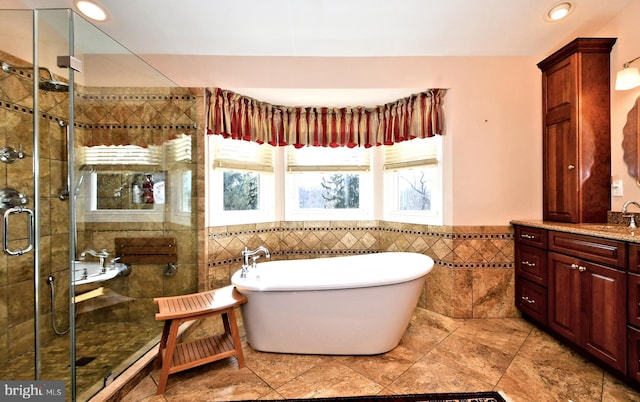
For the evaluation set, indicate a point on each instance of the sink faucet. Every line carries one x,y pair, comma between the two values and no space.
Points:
632,221
246,253
101,255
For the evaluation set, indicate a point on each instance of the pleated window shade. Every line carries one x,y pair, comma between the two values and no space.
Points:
320,159
406,154
241,155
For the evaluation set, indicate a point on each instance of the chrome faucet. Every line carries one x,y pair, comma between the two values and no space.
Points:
246,253
632,221
101,255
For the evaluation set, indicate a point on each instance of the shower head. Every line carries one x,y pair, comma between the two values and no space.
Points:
46,83
51,84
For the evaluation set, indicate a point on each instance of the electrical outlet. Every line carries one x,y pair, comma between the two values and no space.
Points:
616,188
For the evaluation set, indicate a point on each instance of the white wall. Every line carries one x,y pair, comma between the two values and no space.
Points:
492,145
626,28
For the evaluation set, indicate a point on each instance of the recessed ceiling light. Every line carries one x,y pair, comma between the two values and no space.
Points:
559,11
91,10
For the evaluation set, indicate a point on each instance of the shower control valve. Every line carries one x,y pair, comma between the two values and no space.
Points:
10,155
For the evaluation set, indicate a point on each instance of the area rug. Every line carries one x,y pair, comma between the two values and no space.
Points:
490,396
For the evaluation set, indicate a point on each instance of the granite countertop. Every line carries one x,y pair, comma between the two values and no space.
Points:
612,231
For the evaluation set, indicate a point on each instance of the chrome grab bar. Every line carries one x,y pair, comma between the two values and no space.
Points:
5,229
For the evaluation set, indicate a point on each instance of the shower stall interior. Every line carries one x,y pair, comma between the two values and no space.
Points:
97,152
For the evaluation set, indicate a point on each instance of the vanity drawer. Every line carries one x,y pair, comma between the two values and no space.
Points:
532,236
531,299
605,251
531,263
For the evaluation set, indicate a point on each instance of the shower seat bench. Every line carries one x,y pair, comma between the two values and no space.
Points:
173,356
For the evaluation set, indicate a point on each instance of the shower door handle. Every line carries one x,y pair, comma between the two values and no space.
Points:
5,230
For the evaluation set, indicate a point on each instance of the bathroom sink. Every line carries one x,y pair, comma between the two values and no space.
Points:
89,272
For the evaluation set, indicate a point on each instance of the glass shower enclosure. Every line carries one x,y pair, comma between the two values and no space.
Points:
98,157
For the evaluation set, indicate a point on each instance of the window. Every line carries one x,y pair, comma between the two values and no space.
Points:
413,181
328,183
241,188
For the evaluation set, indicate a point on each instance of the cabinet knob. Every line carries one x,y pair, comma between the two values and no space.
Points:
578,267
529,264
571,167
530,301
527,236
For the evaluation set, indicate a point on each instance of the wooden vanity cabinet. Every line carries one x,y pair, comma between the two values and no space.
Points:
633,313
587,294
531,272
582,283
576,132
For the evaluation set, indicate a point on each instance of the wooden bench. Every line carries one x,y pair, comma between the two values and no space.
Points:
174,357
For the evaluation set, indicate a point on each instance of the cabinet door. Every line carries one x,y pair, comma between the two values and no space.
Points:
633,354
560,143
633,306
564,296
604,303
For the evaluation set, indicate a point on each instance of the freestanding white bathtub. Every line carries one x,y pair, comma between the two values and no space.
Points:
349,305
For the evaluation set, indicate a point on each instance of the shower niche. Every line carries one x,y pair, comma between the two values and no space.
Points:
136,183
137,196
129,190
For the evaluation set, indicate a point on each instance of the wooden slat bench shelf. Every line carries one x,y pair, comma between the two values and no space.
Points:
174,357
147,250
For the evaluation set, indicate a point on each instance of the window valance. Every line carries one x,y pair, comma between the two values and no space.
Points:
239,117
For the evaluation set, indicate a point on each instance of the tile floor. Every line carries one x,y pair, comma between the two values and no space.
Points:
436,354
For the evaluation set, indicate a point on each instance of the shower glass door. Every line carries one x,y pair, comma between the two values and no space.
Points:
18,279
124,178
100,147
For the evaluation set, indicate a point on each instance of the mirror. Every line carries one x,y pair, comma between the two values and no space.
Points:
631,138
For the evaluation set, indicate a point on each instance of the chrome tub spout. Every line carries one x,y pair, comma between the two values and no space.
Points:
254,254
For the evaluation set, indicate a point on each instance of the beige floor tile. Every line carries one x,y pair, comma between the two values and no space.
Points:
144,391
505,334
477,360
436,354
221,380
429,376
613,390
327,380
553,374
384,368
277,369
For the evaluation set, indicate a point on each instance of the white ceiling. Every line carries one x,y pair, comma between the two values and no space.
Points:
172,34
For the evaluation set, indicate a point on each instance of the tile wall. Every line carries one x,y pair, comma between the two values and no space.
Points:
473,276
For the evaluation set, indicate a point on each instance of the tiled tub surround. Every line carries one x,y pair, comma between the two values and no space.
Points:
472,277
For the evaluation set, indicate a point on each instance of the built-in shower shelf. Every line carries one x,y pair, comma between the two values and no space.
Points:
89,295
147,250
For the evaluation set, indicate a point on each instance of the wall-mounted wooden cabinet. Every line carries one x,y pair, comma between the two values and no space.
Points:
577,132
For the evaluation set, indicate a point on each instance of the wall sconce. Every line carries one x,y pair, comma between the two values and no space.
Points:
628,77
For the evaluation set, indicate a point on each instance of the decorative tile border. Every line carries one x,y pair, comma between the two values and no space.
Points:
14,107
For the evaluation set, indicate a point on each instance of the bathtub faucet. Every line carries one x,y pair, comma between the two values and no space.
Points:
246,253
